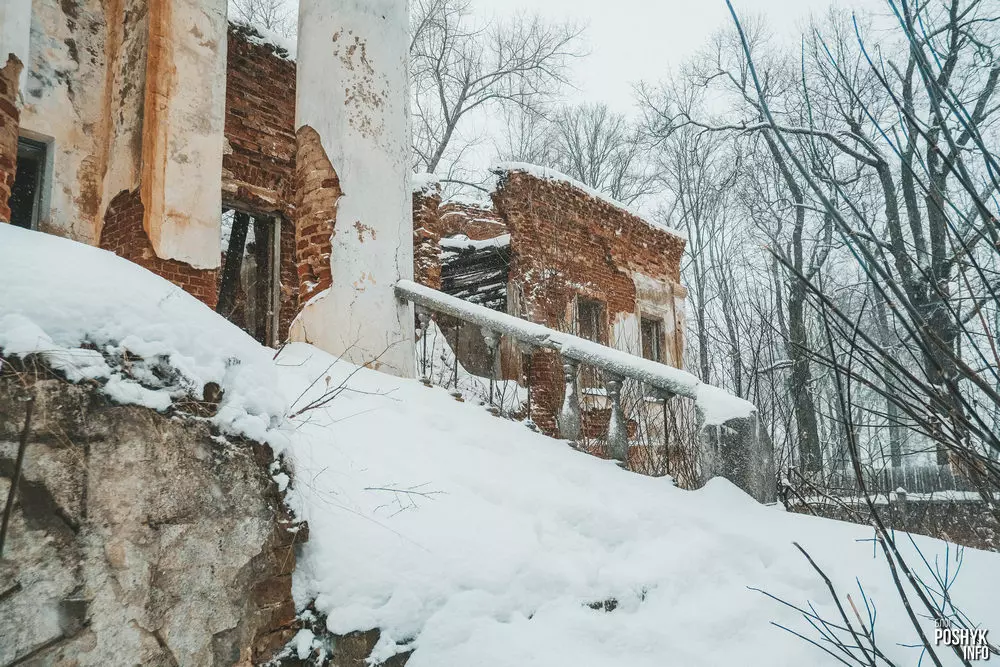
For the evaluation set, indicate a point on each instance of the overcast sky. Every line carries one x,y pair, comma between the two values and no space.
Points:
632,40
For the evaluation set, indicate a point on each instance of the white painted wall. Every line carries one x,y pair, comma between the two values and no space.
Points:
15,33
64,107
352,89
182,153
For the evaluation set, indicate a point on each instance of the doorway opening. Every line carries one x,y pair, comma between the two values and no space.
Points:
249,283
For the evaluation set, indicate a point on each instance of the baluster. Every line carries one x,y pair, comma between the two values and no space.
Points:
569,416
617,440
666,436
424,320
456,392
492,342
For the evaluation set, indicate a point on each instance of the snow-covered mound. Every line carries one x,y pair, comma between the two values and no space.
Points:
471,538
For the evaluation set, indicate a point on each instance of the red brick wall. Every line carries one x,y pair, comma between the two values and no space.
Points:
474,221
426,239
9,126
124,235
258,168
566,243
317,190
259,165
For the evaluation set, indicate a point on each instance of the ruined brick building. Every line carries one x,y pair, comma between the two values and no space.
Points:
217,186
551,251
104,137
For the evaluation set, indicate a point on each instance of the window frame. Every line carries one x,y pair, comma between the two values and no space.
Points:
599,314
42,151
659,331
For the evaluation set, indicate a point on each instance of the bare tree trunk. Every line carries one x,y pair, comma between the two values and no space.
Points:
800,381
891,409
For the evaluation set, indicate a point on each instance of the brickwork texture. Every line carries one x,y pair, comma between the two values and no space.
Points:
124,235
9,127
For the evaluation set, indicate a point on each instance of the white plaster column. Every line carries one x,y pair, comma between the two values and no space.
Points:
184,128
352,90
15,33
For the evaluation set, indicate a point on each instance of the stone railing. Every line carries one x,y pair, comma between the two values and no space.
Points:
727,426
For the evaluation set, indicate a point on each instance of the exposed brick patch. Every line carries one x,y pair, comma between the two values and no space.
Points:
317,188
124,235
258,169
10,118
426,239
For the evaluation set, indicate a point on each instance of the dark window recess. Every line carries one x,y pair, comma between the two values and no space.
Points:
590,325
248,284
652,339
590,321
26,193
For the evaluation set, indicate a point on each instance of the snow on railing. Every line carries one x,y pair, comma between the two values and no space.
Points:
727,424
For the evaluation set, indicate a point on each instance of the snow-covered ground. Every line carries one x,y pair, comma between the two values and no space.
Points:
472,538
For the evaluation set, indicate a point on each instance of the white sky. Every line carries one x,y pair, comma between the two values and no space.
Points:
641,40
633,40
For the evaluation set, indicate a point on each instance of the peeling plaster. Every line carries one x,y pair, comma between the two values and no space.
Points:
352,89
185,103
15,33
63,105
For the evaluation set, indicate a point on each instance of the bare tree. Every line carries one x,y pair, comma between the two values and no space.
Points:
459,66
589,142
778,206
274,15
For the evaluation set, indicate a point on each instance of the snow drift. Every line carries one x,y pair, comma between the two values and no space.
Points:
470,538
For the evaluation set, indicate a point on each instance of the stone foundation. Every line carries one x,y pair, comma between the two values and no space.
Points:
137,538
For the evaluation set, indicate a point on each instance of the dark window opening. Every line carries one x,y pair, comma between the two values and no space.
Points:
590,321
590,325
25,196
249,288
652,339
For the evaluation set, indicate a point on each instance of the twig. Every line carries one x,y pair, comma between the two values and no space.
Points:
15,480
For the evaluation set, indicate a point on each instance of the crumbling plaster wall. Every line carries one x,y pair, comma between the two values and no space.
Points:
115,117
9,122
137,538
185,108
64,104
15,29
352,98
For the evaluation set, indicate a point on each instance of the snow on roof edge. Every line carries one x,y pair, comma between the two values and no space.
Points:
462,242
285,48
548,174
425,183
